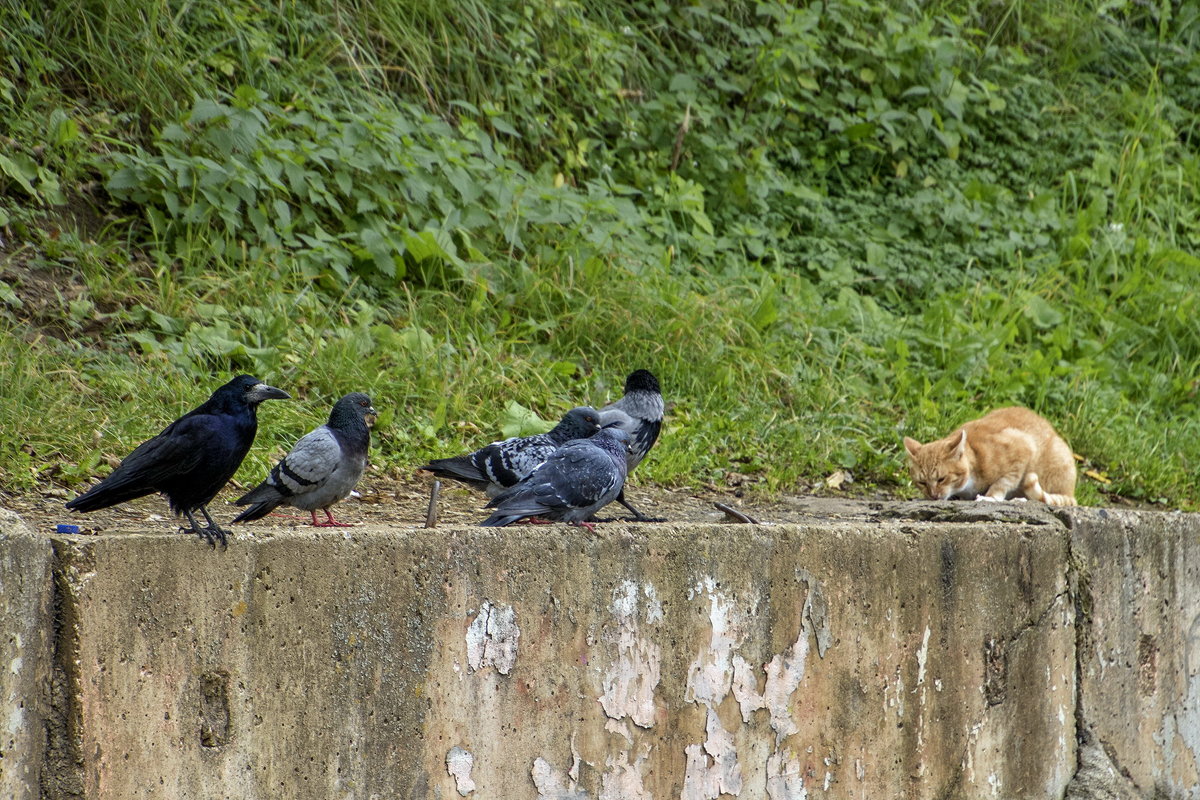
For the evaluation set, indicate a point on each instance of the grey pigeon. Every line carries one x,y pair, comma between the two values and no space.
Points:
640,413
502,464
576,481
192,459
321,469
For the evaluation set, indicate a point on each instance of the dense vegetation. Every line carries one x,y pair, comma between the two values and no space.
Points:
823,226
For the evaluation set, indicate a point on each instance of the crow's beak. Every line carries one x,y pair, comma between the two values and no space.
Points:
261,391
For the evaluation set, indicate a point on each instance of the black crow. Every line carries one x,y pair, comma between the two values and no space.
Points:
640,413
321,469
192,459
501,464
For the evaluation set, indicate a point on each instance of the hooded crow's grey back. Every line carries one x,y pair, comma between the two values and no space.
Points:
640,413
322,469
192,459
502,464
576,481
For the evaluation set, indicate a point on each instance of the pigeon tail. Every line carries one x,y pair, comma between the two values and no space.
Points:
256,511
459,468
262,499
502,518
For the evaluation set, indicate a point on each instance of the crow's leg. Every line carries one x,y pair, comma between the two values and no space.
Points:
213,532
196,529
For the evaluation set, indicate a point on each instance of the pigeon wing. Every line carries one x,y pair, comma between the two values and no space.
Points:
585,475
511,460
309,463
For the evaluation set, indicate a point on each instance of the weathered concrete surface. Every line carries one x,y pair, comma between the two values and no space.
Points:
892,659
1139,593
786,662
26,631
963,655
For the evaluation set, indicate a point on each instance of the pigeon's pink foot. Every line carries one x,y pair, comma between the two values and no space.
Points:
591,528
330,523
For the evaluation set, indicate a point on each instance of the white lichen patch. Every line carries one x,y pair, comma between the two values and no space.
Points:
459,763
492,638
631,680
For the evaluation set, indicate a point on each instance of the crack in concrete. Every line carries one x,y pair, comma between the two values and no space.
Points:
1096,763
62,774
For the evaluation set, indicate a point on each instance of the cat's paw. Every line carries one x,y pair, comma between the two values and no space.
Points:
983,498
1019,500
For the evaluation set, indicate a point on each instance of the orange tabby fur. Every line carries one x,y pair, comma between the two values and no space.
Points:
1009,453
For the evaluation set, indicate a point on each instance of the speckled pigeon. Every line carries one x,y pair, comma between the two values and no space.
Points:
576,481
321,469
502,464
640,413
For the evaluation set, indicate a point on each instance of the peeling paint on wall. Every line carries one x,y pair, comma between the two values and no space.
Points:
623,780
492,638
784,673
711,674
1186,719
785,777
459,763
712,768
553,784
923,657
816,610
630,682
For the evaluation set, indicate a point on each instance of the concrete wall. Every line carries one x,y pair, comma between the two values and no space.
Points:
1139,588
26,634
888,658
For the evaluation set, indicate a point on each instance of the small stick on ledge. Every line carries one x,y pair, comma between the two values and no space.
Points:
431,517
736,515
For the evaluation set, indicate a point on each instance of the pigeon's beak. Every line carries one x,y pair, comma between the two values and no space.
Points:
261,391
370,416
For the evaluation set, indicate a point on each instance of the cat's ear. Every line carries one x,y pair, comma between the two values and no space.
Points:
959,448
912,446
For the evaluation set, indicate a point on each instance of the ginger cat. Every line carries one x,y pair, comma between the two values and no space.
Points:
1009,453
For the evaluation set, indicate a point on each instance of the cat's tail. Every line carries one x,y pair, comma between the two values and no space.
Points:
1031,487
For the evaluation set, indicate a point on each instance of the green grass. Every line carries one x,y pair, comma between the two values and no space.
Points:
878,220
